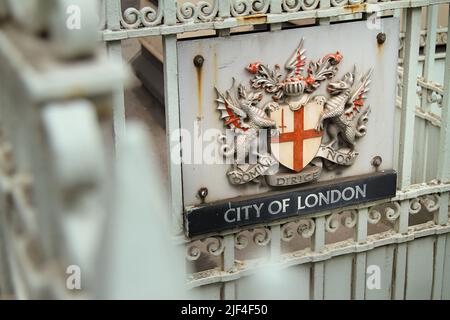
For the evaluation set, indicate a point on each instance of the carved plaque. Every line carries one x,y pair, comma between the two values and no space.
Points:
278,124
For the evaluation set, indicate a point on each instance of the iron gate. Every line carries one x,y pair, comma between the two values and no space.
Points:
330,254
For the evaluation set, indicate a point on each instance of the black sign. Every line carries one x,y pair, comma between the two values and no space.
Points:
242,211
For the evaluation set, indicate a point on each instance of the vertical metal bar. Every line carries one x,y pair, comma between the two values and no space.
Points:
401,226
318,244
275,243
443,173
359,276
275,7
359,264
430,46
318,241
438,268
402,223
412,39
114,49
444,146
228,255
398,292
172,126
423,126
229,287
113,14
361,225
441,215
402,30
170,12
224,8
224,13
324,4
171,97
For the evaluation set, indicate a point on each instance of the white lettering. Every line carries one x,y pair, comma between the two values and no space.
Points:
360,191
258,209
227,219
300,205
279,207
246,211
352,194
322,197
285,204
310,196
333,198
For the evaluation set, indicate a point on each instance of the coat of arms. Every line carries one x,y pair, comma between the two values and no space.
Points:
307,132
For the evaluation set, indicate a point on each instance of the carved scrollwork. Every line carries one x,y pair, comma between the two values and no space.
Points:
133,18
414,206
288,231
430,202
241,240
262,236
433,96
339,3
392,211
296,5
332,222
291,5
201,11
247,7
442,37
214,245
309,4
351,219
306,228
374,215
193,252
423,39
347,218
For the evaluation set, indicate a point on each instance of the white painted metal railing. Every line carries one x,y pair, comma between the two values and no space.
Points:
424,107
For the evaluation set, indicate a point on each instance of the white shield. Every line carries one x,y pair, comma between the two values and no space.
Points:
298,141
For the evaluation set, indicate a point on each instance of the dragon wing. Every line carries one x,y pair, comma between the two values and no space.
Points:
296,62
229,109
356,100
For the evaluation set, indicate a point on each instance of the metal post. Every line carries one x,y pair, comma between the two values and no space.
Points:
275,7
444,146
412,39
172,117
359,264
423,125
229,287
114,49
318,244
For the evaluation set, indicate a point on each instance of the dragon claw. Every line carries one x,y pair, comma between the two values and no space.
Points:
319,126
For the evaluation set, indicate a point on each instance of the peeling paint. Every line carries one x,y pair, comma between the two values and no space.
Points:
252,19
358,7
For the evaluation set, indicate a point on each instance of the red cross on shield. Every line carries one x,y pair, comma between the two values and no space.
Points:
298,141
